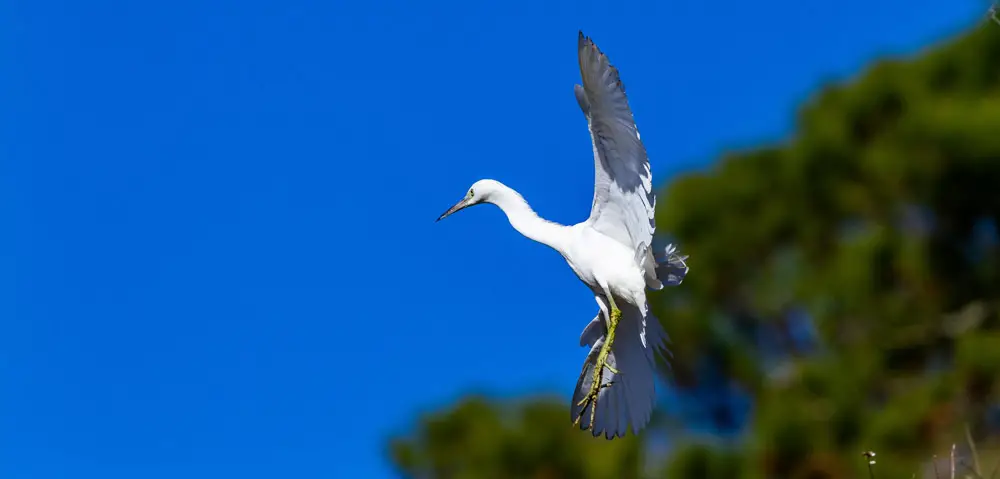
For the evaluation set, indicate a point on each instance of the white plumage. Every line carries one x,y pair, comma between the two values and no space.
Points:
611,252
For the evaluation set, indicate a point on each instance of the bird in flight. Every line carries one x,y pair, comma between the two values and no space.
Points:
611,252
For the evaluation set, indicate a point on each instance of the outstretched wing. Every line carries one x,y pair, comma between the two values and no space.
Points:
623,193
632,395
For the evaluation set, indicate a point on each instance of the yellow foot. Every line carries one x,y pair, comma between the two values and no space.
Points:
599,367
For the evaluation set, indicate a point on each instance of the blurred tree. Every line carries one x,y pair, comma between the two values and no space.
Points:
846,281
479,439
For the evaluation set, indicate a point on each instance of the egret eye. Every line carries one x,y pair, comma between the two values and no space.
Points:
471,194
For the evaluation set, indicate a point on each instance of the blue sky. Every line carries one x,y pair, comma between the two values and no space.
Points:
222,259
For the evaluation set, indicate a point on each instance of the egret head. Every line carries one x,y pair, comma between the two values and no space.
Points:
480,192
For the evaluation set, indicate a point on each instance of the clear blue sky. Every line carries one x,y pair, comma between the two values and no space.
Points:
221,258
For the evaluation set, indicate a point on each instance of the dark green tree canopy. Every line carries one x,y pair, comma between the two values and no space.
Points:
846,281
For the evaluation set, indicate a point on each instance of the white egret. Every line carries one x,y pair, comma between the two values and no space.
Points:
611,252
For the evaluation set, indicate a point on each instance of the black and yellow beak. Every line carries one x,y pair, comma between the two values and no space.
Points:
458,206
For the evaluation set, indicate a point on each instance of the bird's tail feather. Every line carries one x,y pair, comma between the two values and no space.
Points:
630,398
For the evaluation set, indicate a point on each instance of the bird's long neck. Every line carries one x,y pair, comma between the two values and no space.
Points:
527,222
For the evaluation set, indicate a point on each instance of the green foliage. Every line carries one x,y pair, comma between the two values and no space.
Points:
479,439
875,226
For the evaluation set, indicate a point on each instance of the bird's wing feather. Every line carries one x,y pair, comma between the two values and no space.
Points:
630,400
594,331
668,268
623,194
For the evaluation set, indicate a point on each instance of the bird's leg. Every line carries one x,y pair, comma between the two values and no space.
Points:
601,364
